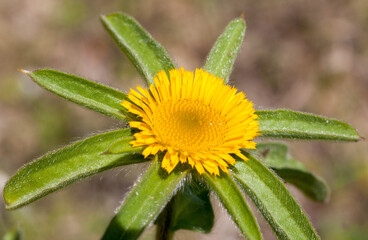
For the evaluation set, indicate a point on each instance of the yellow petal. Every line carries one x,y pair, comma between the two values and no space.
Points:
195,118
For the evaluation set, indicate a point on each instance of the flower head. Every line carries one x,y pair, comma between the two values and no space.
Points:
195,118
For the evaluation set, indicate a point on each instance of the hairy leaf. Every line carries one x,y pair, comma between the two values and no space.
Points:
189,209
223,54
235,204
275,156
273,200
147,55
285,123
122,145
86,93
144,202
65,166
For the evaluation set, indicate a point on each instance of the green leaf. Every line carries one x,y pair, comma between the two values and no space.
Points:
147,55
193,209
12,235
222,56
190,209
88,94
311,185
123,145
65,166
290,124
233,201
275,155
144,202
273,200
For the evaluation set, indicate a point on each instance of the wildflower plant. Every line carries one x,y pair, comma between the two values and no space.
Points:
197,132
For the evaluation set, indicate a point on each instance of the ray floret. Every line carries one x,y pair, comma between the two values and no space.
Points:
193,118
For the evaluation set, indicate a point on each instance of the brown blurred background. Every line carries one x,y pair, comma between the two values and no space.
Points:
305,55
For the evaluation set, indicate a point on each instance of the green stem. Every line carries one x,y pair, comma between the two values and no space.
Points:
163,230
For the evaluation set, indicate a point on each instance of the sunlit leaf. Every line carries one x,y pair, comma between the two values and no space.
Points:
285,123
122,145
233,201
223,54
275,156
273,200
86,93
65,166
144,203
147,55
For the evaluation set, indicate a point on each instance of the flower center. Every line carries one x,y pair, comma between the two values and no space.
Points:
189,125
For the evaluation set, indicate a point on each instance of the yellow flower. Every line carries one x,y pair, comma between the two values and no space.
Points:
195,118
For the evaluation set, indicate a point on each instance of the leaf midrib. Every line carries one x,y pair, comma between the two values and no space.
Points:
274,191
145,203
95,103
223,56
136,215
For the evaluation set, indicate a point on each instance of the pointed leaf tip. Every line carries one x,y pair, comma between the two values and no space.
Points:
94,96
284,123
24,71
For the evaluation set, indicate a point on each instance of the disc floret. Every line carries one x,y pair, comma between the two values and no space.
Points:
194,118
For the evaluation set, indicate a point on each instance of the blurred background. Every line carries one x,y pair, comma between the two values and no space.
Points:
304,55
